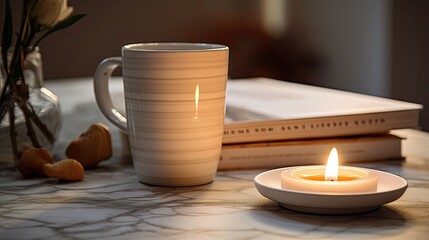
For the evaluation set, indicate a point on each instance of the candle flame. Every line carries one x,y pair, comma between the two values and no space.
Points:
197,99
331,172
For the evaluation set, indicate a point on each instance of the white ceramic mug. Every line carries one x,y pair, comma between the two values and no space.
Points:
175,106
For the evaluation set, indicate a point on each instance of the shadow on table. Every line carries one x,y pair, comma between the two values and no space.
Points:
384,220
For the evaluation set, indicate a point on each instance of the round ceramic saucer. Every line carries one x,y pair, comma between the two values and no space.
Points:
390,188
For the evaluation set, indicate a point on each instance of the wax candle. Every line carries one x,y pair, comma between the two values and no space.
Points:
331,178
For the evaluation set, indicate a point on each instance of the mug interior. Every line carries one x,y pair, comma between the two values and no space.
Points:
174,47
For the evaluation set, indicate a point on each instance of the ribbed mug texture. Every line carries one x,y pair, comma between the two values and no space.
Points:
175,104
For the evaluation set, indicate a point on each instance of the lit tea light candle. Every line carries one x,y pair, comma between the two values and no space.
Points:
331,178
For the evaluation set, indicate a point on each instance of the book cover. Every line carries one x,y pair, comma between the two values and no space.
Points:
262,109
312,151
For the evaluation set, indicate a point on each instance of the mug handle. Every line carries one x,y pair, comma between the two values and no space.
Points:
101,90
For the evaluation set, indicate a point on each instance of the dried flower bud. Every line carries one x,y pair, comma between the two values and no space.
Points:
49,13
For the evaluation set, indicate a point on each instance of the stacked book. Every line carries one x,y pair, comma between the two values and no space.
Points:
271,123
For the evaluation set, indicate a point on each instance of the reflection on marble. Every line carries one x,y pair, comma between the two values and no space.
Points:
110,203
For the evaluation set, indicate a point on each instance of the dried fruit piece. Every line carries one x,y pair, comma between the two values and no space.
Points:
67,169
92,146
37,162
32,161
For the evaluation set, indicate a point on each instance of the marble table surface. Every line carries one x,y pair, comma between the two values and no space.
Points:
110,203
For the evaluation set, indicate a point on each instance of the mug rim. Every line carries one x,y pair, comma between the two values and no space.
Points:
174,47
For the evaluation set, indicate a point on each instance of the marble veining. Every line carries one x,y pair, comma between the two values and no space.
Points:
110,203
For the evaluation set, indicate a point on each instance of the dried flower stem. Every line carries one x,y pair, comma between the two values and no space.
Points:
36,120
30,131
12,133
15,92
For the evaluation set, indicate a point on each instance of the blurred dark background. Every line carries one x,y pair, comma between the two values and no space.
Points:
373,47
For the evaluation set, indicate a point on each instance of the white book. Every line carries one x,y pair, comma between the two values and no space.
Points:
262,109
312,151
